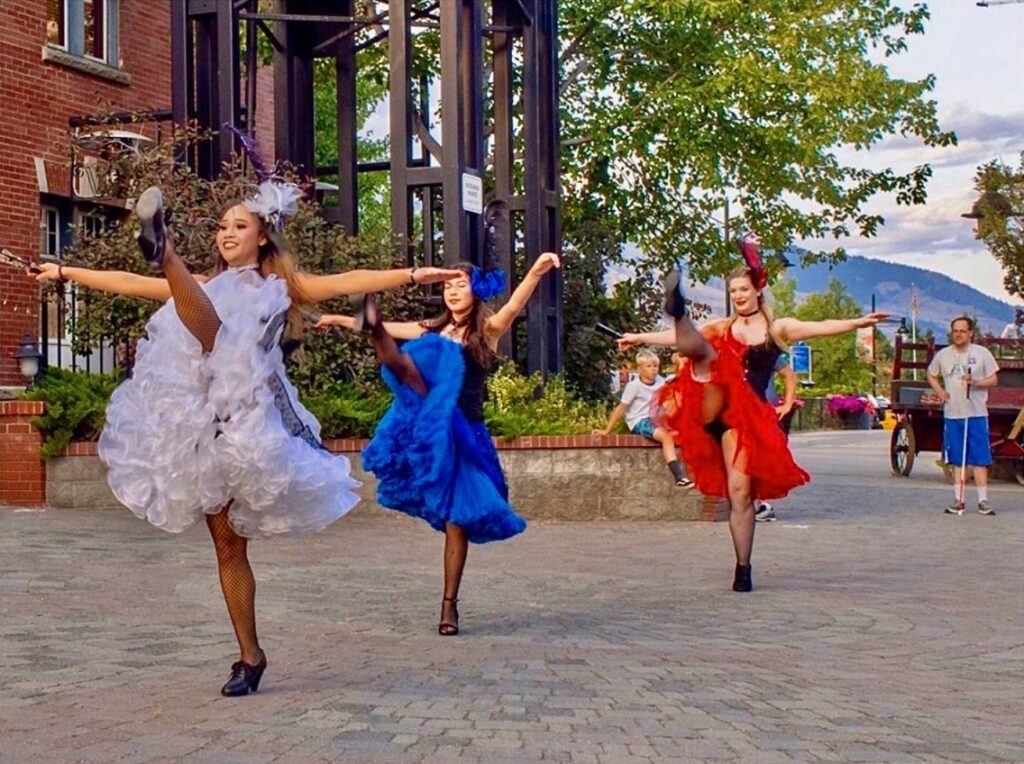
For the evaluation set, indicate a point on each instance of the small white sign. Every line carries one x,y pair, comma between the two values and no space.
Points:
472,193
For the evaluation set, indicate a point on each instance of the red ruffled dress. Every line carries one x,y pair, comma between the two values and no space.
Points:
678,406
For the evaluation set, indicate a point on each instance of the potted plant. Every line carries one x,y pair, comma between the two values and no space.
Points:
853,411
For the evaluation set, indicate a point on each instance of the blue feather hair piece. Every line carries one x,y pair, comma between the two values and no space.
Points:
486,285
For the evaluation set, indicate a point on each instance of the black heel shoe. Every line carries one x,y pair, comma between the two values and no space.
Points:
364,309
742,581
449,628
150,211
244,679
675,302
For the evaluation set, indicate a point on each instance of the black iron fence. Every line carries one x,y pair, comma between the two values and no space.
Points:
58,318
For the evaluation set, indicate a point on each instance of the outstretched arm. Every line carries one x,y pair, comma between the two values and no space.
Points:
500,322
792,330
666,338
319,288
400,330
115,282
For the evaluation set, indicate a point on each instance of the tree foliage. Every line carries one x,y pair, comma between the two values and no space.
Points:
1001,226
838,367
671,107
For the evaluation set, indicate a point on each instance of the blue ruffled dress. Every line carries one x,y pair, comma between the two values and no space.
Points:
432,455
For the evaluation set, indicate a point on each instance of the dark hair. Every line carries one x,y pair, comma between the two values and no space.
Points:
475,323
968,319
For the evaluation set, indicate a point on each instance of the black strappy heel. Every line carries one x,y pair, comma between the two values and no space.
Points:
449,628
150,211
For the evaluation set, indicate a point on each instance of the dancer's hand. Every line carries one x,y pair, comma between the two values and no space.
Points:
597,431
626,341
327,321
782,409
871,319
47,272
545,263
433,275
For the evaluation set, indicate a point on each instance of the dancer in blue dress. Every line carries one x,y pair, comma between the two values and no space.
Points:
431,453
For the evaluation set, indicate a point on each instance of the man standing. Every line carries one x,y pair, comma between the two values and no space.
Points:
967,371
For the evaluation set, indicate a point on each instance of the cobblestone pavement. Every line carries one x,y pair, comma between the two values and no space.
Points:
879,630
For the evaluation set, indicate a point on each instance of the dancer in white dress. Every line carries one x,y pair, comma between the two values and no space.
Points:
209,425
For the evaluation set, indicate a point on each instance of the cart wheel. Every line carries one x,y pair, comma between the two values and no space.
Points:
902,449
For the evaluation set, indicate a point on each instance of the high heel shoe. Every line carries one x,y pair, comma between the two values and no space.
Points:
364,309
742,581
449,628
150,211
245,678
675,301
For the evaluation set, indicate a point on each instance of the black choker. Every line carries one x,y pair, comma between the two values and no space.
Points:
748,315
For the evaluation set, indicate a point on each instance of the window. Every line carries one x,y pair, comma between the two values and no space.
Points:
49,226
95,31
56,23
82,29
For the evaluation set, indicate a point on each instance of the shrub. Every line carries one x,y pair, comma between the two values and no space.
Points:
349,410
76,404
519,405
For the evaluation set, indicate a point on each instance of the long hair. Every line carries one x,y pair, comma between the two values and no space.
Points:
763,307
275,257
475,323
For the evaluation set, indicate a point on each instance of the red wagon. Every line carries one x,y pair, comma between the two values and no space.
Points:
919,413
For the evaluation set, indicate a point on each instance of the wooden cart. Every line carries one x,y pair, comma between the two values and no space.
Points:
919,414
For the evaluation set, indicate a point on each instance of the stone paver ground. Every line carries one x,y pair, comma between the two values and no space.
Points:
879,630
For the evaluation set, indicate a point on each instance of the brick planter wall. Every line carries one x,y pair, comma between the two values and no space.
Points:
583,477
22,471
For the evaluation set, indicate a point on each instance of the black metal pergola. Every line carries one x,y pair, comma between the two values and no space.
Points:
498,142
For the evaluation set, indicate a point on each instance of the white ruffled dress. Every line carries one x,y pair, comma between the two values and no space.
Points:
191,431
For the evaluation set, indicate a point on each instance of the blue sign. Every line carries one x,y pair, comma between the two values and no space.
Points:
800,355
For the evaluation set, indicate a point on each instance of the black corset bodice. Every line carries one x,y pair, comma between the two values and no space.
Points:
474,387
759,362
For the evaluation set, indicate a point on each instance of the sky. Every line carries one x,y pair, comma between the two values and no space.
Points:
977,57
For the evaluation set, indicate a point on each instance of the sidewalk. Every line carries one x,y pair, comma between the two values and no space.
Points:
879,630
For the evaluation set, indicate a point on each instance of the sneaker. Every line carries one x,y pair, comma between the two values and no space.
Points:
764,513
984,508
684,483
956,508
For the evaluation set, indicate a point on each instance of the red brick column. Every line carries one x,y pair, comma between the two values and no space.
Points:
22,469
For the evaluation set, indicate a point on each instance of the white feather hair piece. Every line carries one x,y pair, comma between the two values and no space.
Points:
274,201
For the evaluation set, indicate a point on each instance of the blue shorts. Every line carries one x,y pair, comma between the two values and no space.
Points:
644,427
979,449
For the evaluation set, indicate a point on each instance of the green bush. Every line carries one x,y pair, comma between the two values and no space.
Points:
519,405
76,404
349,410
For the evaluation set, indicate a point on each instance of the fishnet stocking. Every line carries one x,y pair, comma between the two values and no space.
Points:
190,301
456,546
401,364
238,584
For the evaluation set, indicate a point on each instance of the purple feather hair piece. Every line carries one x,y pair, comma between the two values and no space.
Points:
251,150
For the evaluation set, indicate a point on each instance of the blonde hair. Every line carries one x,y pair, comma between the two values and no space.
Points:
276,257
744,272
647,356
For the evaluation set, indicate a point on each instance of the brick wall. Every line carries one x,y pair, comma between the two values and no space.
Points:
36,99
22,471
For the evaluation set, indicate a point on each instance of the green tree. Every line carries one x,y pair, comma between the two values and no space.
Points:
1000,227
838,367
672,107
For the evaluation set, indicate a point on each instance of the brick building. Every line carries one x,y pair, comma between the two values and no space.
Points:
59,59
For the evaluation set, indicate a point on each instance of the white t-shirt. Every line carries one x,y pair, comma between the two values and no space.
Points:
951,364
636,395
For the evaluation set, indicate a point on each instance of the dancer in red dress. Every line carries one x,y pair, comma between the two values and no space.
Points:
727,434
